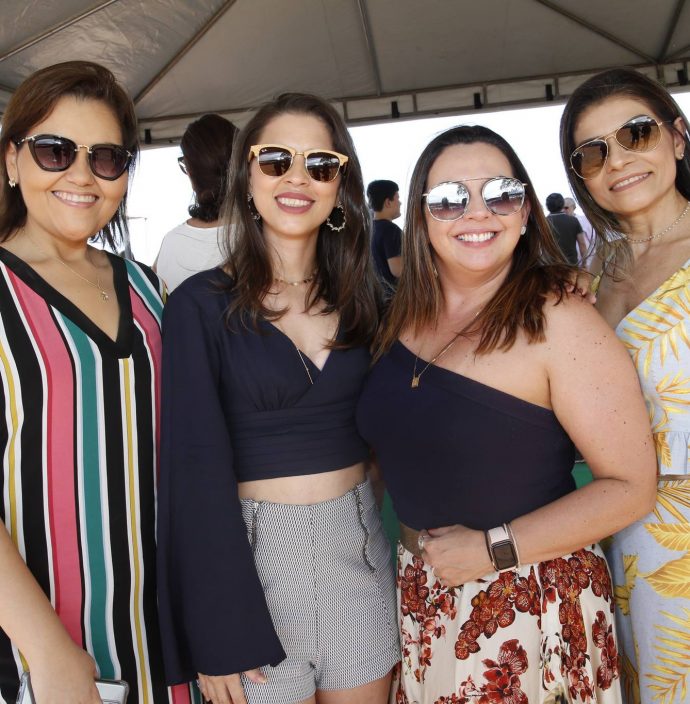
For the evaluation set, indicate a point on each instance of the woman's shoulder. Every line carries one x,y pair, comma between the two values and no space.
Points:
209,291
573,324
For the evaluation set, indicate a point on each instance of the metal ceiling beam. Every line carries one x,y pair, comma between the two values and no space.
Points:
678,52
55,29
185,49
346,103
673,22
597,30
366,30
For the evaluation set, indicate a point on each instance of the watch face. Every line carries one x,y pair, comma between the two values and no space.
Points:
504,554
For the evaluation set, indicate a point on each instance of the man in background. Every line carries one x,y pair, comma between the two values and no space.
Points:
386,239
587,229
567,230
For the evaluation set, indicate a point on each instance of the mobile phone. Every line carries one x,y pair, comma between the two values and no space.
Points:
111,691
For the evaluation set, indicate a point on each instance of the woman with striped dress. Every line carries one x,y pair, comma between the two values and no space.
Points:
79,375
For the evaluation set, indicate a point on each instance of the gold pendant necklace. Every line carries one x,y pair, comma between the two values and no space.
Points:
416,377
97,285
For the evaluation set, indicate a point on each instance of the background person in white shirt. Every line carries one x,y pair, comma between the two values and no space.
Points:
195,245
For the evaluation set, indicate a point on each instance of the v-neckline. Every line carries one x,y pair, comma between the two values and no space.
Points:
121,345
300,353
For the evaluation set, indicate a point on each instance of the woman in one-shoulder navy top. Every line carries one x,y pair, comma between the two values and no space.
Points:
486,369
263,362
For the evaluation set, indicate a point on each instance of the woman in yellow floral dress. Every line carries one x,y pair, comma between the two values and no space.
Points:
626,146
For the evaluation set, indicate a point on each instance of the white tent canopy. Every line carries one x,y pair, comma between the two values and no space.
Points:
375,59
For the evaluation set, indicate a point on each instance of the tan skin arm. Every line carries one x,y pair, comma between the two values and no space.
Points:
60,670
596,396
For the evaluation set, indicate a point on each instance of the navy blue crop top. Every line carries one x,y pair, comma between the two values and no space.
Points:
455,451
237,405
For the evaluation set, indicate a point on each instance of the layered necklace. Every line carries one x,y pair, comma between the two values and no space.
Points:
97,284
663,232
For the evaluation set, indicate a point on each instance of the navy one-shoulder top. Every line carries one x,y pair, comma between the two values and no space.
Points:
237,405
454,450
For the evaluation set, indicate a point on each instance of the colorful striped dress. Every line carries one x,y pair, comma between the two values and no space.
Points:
79,437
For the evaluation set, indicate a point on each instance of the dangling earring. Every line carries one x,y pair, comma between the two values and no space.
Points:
340,215
12,183
523,229
252,208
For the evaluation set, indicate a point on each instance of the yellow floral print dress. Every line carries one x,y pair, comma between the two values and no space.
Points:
650,560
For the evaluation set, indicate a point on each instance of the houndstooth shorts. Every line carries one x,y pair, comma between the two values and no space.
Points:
327,573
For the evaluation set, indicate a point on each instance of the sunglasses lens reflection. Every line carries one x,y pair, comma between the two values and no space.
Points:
639,135
503,196
323,166
108,161
54,153
447,201
274,161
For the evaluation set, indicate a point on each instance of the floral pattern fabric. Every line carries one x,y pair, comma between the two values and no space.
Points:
650,560
539,634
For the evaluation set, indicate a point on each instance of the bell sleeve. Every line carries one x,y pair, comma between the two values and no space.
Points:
213,613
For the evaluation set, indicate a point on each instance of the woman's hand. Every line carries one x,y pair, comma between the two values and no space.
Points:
457,554
66,674
579,285
227,689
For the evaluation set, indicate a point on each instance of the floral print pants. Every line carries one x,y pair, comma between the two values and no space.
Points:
540,634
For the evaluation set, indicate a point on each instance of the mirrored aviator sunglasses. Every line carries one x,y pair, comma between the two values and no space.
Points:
53,153
640,134
502,195
276,159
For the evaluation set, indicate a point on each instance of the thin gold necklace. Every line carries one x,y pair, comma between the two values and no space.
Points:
663,232
299,351
97,285
416,377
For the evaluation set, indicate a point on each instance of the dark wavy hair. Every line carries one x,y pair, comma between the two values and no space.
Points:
344,278
538,268
33,101
207,146
624,83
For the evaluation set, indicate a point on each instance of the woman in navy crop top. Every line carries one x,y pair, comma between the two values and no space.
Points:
272,556
486,368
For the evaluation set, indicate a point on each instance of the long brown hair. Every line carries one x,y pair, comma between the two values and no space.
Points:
207,146
344,278
627,83
538,268
34,100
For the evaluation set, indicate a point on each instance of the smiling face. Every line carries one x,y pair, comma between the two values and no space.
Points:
630,182
294,205
480,243
71,205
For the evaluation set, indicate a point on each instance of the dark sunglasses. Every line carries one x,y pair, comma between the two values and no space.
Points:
502,195
640,134
182,165
276,160
53,153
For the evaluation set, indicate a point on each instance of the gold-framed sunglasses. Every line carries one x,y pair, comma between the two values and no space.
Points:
641,133
276,159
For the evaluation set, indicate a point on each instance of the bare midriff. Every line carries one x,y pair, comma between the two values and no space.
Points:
305,488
